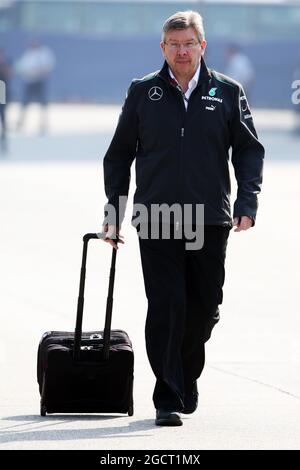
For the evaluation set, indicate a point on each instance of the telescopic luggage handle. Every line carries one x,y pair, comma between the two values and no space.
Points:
109,302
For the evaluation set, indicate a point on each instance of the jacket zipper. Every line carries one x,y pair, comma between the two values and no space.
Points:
177,222
180,163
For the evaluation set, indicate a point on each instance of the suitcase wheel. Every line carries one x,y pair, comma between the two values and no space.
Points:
43,410
130,410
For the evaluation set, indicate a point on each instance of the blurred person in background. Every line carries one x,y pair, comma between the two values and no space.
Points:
35,67
179,124
239,67
5,76
295,102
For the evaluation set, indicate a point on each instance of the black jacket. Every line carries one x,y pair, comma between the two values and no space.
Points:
182,155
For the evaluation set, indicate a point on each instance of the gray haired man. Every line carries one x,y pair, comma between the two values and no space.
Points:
179,124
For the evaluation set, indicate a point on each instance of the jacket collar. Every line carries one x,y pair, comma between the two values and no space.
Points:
205,73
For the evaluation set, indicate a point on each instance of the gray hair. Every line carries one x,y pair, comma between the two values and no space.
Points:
184,20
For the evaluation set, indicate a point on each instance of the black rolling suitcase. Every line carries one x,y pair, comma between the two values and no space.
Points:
86,372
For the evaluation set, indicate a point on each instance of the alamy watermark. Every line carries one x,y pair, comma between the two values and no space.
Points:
163,221
2,92
296,94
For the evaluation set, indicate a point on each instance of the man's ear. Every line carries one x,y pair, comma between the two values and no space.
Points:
162,46
203,46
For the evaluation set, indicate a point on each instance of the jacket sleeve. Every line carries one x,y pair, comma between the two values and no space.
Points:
247,157
118,160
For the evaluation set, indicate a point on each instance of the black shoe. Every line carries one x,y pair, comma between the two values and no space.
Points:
191,401
168,418
190,405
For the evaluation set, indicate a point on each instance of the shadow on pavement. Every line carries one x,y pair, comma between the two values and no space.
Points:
10,434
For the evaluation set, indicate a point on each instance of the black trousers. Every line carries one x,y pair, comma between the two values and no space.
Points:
184,290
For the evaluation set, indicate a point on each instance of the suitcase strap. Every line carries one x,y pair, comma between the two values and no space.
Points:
80,304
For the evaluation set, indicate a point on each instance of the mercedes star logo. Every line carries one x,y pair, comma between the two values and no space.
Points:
155,93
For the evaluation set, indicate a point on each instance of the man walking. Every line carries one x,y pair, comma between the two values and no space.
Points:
179,124
5,77
35,67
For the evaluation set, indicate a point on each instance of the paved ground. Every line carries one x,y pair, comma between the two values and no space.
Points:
50,194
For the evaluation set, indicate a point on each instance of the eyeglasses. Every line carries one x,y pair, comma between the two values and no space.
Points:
175,46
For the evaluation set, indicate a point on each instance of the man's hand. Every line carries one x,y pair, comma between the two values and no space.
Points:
242,223
110,232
